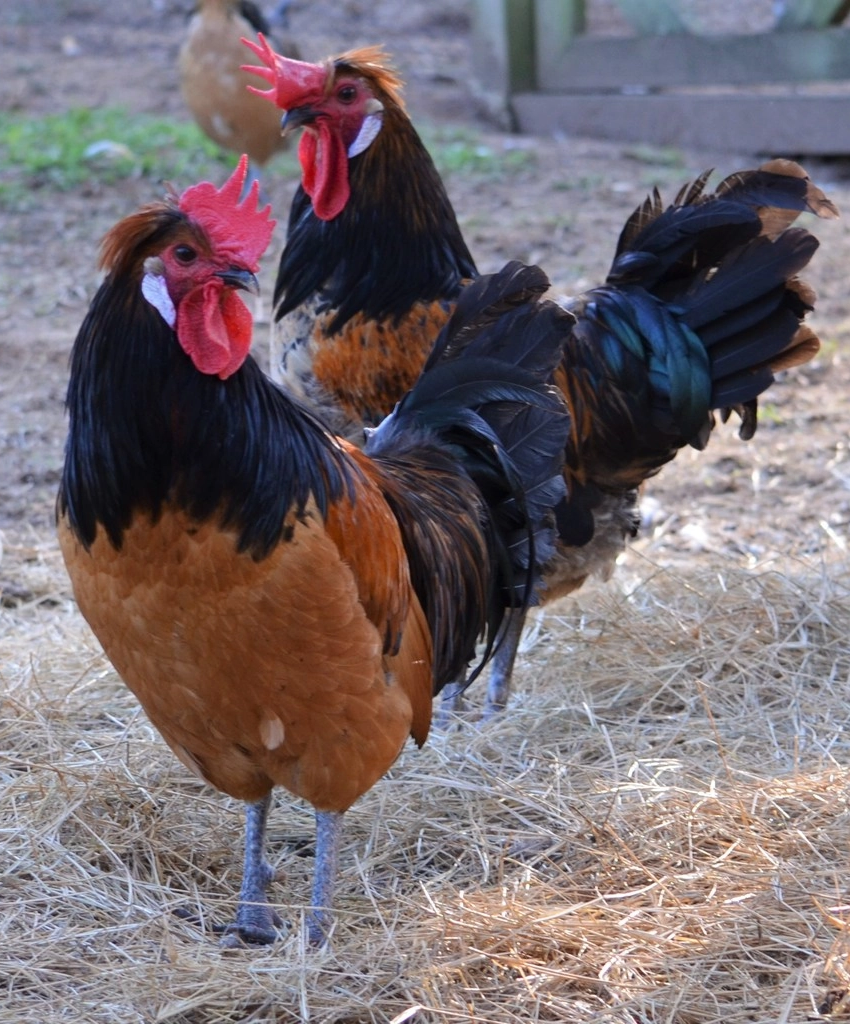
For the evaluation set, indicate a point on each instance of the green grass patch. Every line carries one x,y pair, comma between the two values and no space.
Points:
581,183
830,347
770,415
657,156
82,147
459,151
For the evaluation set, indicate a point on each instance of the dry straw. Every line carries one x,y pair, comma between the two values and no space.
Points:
656,831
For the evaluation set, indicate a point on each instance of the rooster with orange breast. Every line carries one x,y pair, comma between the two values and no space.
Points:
701,308
284,605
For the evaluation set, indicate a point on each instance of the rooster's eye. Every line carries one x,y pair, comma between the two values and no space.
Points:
347,94
185,253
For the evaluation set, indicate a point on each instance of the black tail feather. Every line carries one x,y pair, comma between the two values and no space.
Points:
777,185
746,350
744,318
483,414
746,274
702,307
693,233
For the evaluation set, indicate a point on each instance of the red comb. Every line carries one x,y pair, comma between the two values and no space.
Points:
238,228
291,81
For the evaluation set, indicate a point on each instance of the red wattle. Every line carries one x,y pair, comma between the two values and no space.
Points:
324,170
214,328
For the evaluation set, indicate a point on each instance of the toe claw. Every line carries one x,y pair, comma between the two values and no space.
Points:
256,924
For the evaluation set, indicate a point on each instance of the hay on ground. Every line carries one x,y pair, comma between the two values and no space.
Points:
655,831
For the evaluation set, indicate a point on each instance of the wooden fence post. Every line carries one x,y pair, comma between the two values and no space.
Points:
503,54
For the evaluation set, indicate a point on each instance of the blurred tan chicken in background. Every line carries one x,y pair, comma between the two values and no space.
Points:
214,86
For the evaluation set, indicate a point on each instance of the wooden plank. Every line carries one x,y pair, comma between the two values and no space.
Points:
556,26
503,45
658,17
810,13
788,125
652,62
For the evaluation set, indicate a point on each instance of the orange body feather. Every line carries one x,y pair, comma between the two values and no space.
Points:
354,376
305,699
215,88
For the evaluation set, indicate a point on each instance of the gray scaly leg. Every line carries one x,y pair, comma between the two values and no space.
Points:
320,918
502,665
256,922
498,688
451,703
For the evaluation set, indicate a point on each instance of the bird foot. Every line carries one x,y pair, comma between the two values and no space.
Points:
255,925
454,711
318,928
498,694
493,708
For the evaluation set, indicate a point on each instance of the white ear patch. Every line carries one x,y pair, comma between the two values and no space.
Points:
156,292
366,136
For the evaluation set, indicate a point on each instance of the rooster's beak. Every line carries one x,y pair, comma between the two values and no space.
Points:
297,117
237,277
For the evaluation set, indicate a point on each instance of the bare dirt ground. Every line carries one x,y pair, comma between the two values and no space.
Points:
562,210
719,522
